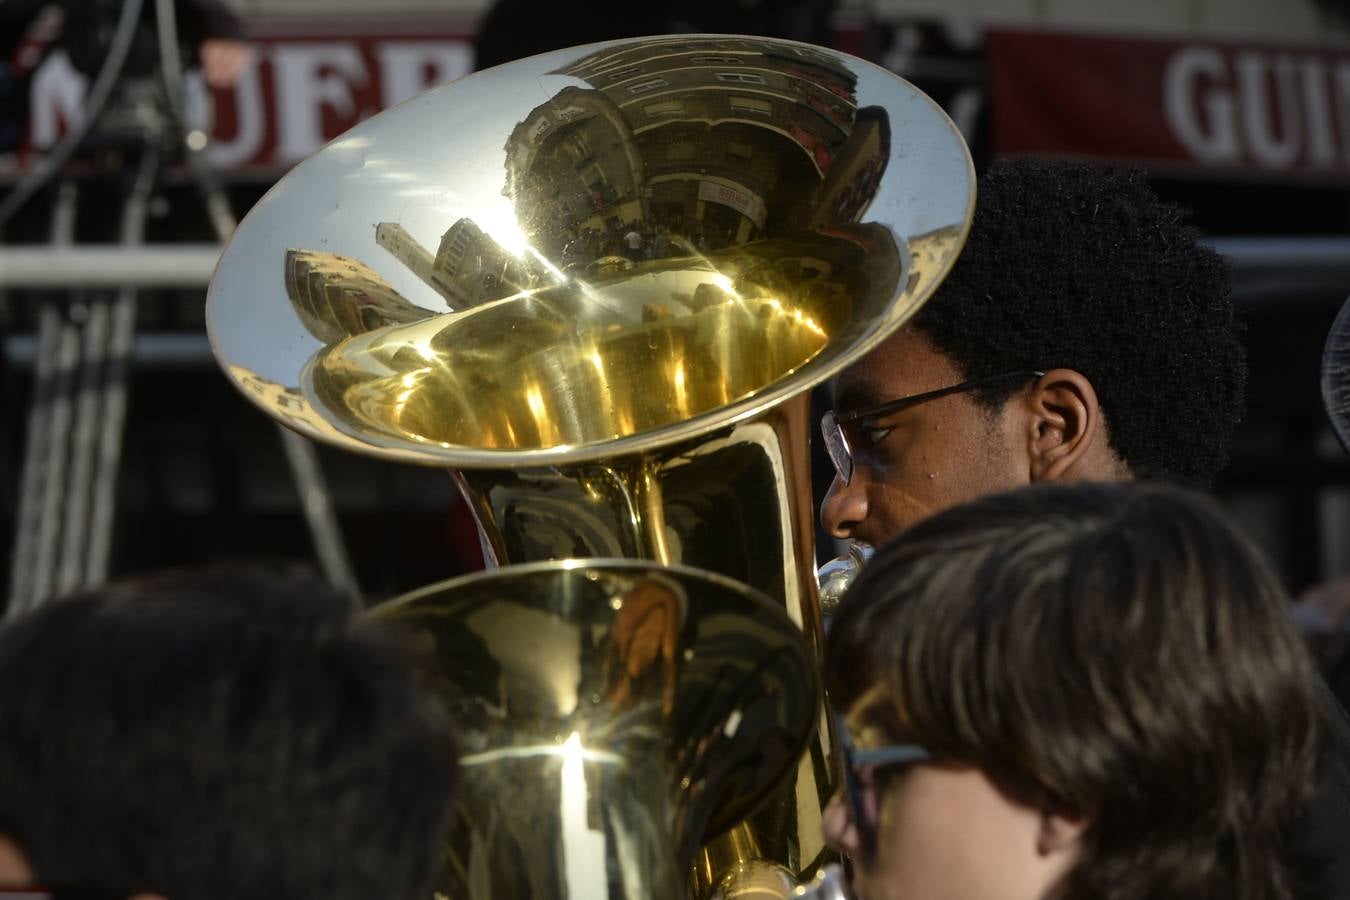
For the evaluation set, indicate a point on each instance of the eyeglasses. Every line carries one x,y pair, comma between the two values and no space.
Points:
874,759
831,423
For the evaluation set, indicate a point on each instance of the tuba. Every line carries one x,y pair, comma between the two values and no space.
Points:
597,285
611,712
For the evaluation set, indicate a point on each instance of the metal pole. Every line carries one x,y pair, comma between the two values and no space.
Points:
54,464
33,473
121,342
75,516
317,505
36,457
1285,252
108,266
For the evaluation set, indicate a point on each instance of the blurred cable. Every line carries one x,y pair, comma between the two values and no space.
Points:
95,101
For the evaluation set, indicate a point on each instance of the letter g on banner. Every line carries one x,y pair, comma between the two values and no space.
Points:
1199,104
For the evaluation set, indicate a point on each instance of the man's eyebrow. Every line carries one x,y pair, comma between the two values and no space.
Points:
855,393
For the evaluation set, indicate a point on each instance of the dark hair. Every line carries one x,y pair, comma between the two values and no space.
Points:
1070,266
1118,649
220,736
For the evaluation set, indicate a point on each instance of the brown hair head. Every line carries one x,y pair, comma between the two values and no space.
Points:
1119,649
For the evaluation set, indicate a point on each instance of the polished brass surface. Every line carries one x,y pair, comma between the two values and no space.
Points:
737,502
792,206
587,363
608,711
838,575
598,285
754,881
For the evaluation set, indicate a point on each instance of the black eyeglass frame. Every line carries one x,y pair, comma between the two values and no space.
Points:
836,445
884,757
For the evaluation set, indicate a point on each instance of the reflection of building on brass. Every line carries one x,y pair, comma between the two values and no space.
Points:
854,172
684,146
480,268
284,403
337,296
469,267
928,255
572,165
405,248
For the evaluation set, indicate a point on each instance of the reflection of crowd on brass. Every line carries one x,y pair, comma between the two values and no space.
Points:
719,141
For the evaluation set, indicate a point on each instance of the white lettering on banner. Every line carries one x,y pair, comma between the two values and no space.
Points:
308,77
1213,139
250,120
407,68
293,97
1277,110
1272,145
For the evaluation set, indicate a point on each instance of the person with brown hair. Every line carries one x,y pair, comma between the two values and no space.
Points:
1069,692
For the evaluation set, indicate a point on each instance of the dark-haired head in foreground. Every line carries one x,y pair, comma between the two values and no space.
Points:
1116,703
217,737
1075,272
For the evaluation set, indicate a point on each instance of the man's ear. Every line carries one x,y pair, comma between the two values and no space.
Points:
1064,423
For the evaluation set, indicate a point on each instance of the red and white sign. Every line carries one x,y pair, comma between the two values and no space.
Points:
747,204
308,83
1272,110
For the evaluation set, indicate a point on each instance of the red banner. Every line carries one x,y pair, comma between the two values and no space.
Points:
1238,108
308,82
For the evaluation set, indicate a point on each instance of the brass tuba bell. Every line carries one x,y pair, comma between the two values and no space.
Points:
609,711
598,285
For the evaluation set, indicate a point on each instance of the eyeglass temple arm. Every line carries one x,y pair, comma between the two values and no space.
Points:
886,756
897,405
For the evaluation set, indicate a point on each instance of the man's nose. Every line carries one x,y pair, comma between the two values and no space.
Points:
844,508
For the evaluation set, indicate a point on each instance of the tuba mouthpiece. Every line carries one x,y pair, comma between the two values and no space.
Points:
838,574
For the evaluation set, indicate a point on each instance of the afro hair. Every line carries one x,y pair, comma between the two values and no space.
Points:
1078,267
